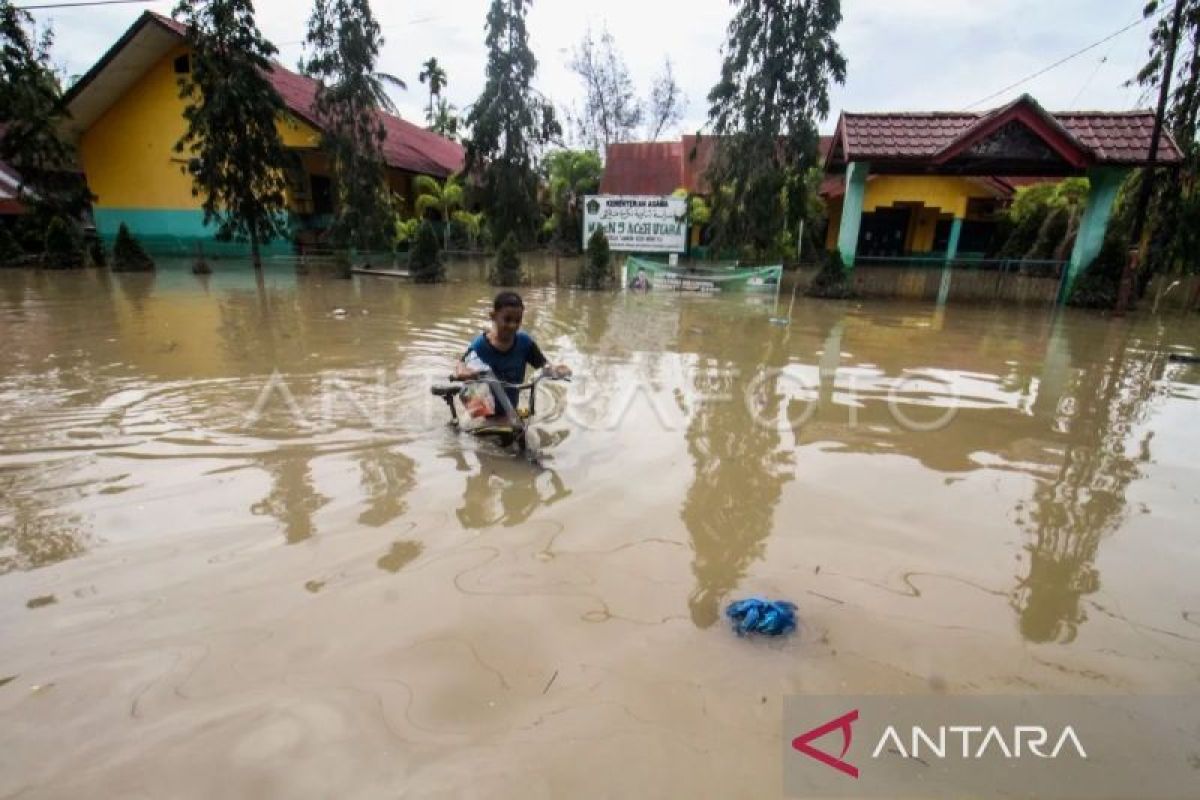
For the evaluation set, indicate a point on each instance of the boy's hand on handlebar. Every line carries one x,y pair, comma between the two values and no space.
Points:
558,371
464,373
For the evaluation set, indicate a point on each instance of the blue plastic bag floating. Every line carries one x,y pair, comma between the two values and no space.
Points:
759,615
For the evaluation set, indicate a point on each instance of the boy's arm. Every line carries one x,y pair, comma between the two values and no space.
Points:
461,371
537,359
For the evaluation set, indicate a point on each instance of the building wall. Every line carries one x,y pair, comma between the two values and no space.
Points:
937,196
131,165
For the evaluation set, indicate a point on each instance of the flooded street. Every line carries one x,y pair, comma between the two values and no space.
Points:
242,553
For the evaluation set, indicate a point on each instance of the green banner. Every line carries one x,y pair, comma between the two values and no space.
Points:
643,274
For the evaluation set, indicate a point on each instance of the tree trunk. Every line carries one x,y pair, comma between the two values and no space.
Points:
255,255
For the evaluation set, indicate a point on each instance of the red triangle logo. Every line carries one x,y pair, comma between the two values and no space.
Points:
803,743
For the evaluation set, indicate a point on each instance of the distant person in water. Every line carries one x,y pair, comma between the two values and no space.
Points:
640,281
507,349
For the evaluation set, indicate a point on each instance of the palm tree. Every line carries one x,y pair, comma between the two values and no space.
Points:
445,197
385,102
445,122
471,223
432,71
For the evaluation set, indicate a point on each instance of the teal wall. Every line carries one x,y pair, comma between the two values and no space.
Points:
852,206
1103,185
175,232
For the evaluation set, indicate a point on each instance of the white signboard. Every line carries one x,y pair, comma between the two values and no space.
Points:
637,223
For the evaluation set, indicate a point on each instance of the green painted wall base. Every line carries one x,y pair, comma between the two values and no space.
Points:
174,232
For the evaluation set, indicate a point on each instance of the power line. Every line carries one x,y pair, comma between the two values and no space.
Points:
85,4
1090,78
1058,63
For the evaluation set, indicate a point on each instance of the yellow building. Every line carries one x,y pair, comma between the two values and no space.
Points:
126,116
913,215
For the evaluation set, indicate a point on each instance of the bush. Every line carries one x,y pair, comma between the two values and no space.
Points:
832,281
506,269
423,260
10,250
1051,234
1097,287
597,269
64,247
128,255
1024,234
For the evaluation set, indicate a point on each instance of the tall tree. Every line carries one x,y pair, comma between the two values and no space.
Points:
509,124
779,58
667,103
432,72
343,42
237,161
1175,210
611,110
30,114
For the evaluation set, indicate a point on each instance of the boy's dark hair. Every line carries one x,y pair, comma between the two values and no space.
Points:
507,300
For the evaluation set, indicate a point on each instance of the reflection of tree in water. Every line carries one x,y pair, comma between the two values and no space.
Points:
400,555
387,476
740,466
505,490
32,534
1085,500
293,499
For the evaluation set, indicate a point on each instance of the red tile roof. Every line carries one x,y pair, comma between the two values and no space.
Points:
659,168
1106,137
406,146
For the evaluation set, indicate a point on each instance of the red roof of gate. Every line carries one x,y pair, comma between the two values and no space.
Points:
659,168
1095,137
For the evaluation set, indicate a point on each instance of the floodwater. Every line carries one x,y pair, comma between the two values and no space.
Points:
242,554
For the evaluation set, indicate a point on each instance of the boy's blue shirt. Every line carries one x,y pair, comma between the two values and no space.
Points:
509,365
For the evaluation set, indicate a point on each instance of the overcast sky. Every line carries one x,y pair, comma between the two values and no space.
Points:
903,54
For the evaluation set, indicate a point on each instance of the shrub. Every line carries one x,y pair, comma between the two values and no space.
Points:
1097,287
64,247
128,255
506,269
832,281
423,260
597,272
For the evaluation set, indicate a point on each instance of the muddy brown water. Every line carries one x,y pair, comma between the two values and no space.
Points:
242,554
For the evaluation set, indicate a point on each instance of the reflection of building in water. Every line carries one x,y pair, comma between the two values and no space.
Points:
740,466
504,490
1085,499
293,498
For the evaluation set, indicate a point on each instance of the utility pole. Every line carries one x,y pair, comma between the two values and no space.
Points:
1138,239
